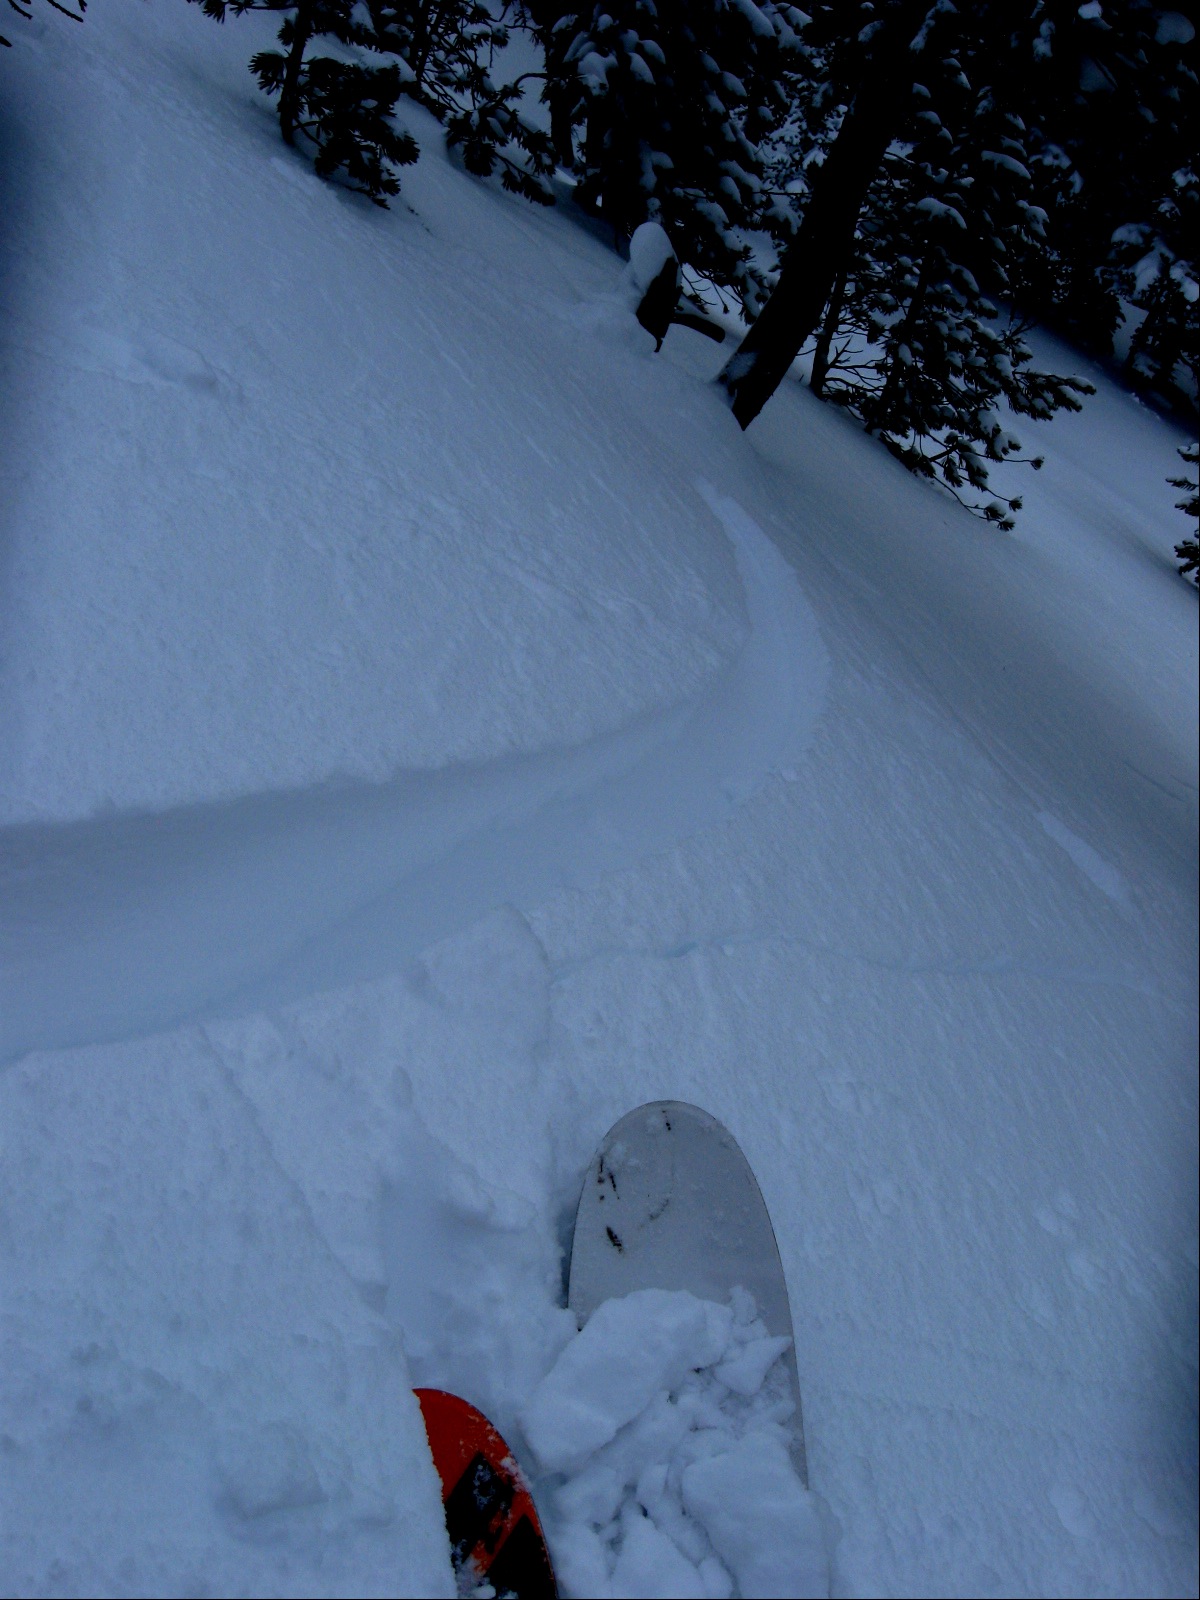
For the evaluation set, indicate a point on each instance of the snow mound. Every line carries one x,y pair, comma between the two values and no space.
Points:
668,1417
649,251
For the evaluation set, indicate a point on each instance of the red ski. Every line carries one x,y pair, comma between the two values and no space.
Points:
495,1536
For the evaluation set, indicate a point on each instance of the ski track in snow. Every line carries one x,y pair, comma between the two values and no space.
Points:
260,901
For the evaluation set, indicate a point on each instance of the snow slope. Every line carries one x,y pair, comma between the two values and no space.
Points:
429,728
190,371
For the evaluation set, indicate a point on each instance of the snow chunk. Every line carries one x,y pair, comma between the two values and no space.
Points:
594,68
670,1415
998,158
1174,28
639,69
649,1565
759,22
744,1374
759,1517
630,1350
938,208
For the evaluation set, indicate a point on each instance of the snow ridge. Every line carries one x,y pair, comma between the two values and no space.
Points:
262,900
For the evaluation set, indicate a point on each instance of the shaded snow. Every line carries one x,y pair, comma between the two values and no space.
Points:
194,1398
302,518
287,892
744,770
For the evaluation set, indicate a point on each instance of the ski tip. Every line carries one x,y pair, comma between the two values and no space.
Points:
496,1539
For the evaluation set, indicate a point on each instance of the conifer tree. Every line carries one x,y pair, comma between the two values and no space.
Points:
884,58
918,217
438,52
666,103
1156,268
554,24
1188,550
446,49
1109,91
340,109
920,339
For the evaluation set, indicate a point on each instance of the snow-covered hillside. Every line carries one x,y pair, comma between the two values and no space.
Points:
429,728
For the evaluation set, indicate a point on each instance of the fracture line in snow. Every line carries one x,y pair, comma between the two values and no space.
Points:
999,967
122,926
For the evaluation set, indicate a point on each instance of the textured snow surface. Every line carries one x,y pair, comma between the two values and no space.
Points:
194,1399
428,729
302,518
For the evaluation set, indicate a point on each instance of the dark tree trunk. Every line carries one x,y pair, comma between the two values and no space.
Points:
820,367
289,94
561,101
425,35
822,247
562,88
658,302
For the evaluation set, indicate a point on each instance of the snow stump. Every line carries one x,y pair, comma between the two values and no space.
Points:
665,1423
